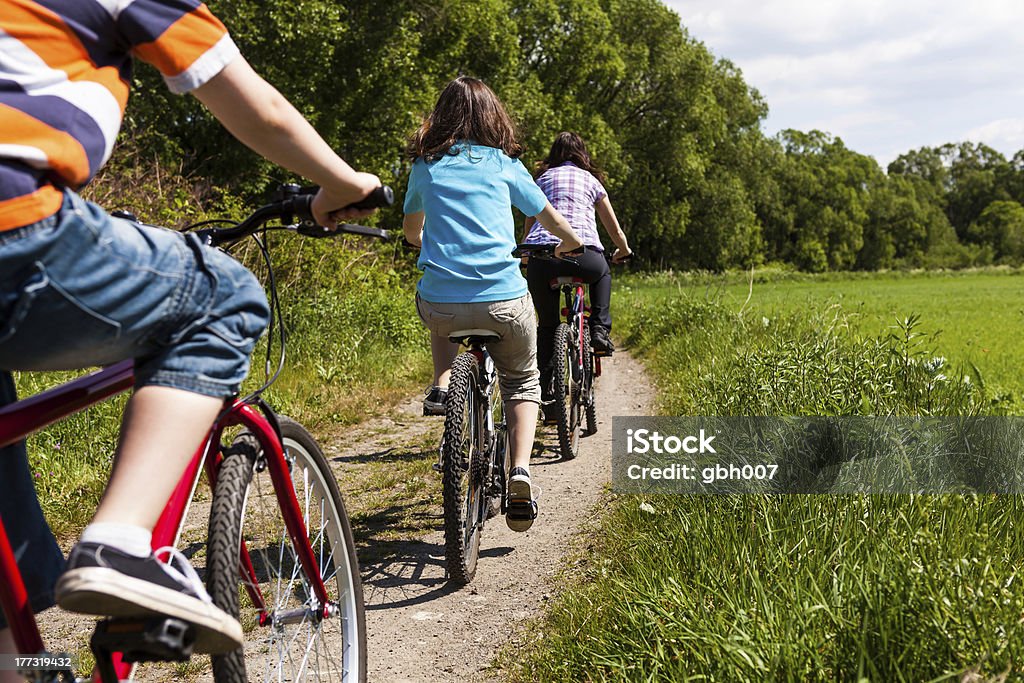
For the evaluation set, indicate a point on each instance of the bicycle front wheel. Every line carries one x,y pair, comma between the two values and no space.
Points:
463,477
566,388
290,639
588,395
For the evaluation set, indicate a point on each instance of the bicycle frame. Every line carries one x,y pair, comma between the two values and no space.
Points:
576,313
486,386
24,417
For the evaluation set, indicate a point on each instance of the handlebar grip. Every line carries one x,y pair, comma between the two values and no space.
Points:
382,197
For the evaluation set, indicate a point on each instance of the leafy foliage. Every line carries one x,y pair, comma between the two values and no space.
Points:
694,180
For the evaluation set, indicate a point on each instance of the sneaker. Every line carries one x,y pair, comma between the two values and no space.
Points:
522,508
105,581
435,401
600,340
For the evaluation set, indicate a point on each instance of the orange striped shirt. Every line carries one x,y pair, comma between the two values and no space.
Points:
65,67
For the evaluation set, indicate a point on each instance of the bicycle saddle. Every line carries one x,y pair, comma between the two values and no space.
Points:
473,336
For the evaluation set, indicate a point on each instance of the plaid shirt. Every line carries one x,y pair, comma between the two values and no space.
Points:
573,192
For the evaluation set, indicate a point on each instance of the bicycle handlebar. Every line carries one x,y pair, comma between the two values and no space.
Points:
545,251
627,257
296,204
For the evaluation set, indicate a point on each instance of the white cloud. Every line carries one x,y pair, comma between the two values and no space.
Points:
886,76
1001,134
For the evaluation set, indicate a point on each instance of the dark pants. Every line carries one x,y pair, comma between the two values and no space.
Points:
39,558
592,269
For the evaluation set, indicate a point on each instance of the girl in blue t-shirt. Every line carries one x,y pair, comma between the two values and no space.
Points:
465,179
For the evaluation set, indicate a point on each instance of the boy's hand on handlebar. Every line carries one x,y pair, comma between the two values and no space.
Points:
620,256
330,207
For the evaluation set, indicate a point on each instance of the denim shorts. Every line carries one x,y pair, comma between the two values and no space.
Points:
514,354
81,289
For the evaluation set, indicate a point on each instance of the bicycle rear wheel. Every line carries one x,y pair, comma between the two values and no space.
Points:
292,641
463,481
566,388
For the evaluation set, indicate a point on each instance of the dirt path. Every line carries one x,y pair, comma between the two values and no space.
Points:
422,629
419,627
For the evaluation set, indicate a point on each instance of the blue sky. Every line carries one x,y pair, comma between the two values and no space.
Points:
886,76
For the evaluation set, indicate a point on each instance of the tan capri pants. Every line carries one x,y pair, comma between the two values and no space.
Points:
515,354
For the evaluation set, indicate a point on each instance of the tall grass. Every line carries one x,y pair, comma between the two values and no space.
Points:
797,587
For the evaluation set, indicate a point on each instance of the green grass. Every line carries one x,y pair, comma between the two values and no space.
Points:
797,588
974,317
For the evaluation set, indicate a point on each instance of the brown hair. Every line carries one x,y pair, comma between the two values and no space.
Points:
466,110
569,147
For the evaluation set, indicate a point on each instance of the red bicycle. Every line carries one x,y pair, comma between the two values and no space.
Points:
575,364
277,524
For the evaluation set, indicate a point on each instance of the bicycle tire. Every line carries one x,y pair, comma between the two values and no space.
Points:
463,489
567,411
589,397
245,505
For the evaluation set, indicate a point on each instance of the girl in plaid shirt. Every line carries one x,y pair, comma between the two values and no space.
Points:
573,185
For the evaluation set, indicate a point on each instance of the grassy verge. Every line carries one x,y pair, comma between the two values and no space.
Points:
752,588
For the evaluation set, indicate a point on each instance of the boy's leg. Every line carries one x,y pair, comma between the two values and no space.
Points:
161,430
85,289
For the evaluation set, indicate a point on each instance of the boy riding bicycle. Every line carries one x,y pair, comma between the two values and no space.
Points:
79,288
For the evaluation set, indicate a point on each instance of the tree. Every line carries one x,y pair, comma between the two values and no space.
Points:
1001,225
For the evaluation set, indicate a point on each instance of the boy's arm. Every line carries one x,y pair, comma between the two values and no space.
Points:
607,215
412,226
262,119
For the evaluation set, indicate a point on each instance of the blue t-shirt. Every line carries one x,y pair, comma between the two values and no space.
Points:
468,230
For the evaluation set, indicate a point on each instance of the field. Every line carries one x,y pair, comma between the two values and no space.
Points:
973,319
804,588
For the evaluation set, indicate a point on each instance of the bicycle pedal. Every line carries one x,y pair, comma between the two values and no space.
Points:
523,509
155,639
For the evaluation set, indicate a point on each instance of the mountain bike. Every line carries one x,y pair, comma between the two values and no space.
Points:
277,523
575,365
475,457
